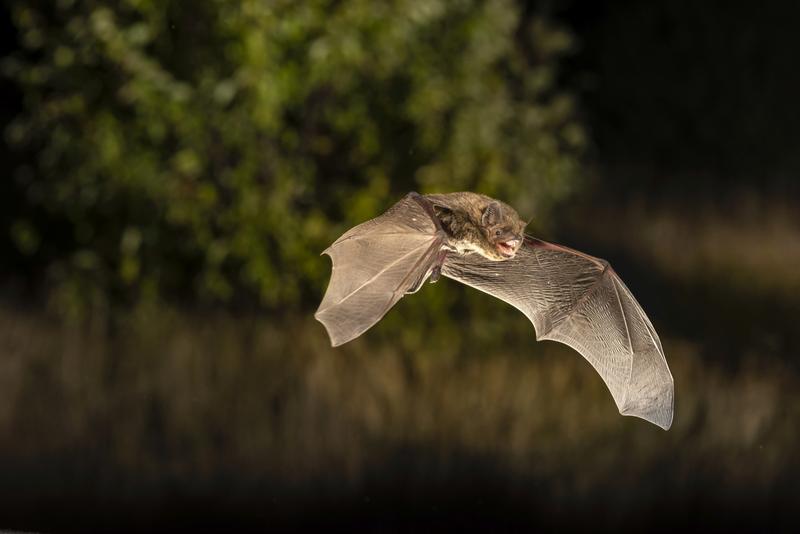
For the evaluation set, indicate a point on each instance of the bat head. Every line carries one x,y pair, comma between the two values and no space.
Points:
503,229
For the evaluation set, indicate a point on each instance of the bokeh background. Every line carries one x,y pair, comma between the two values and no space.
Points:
172,171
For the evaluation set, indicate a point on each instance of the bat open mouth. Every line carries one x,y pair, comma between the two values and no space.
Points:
508,248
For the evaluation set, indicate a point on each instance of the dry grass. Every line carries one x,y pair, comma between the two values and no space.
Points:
746,242
186,399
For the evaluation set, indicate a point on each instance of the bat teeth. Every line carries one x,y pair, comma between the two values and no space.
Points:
508,248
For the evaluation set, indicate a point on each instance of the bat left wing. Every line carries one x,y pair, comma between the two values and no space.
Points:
376,263
580,301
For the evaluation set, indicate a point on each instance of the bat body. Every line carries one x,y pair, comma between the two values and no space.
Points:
569,296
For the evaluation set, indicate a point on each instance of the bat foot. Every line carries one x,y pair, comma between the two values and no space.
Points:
436,270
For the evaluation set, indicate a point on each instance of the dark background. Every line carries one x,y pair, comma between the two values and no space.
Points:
159,365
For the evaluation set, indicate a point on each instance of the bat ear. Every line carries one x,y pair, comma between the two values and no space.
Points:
491,215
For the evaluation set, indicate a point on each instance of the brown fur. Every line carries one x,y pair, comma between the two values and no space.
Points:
462,217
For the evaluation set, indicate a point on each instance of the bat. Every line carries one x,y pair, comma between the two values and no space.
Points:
569,296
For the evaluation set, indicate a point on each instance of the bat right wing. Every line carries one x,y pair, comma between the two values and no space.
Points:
580,301
376,263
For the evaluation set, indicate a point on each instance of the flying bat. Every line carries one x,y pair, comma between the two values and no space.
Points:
569,296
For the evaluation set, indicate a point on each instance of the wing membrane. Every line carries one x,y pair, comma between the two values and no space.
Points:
375,264
580,301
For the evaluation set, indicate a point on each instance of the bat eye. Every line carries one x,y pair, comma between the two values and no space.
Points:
498,233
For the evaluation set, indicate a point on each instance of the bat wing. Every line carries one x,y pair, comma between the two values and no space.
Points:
579,300
376,263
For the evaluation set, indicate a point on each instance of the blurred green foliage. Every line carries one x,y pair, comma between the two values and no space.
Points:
208,151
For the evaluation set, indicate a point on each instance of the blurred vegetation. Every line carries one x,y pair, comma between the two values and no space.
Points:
208,153
268,418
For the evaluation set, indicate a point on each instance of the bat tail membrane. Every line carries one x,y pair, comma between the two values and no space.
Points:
375,264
